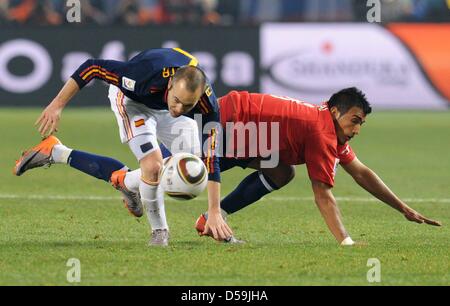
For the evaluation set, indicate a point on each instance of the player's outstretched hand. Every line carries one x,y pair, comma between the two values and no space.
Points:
217,226
48,121
414,216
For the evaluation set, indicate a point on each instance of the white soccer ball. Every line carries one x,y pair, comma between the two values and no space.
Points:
184,176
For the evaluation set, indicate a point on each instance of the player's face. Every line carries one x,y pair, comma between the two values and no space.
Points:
180,100
349,124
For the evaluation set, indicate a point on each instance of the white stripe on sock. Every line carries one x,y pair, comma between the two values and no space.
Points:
265,182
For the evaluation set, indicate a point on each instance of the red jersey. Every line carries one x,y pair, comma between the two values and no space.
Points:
303,133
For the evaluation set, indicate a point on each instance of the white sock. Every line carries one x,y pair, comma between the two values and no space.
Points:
60,154
152,198
133,180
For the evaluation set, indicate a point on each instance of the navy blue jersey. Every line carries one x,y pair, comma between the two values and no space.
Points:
144,79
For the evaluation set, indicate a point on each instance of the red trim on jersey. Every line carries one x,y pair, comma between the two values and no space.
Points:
124,115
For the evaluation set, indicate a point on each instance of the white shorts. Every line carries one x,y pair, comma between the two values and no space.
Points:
141,127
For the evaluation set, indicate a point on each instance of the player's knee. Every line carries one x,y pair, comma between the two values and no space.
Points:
290,174
285,176
281,176
151,167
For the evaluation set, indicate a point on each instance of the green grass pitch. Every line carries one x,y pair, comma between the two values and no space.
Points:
50,215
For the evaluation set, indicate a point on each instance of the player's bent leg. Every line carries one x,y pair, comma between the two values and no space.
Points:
151,166
150,159
100,167
52,151
252,188
281,175
153,198
257,185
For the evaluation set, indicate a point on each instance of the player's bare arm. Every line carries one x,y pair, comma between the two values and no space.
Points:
371,182
48,121
328,208
215,224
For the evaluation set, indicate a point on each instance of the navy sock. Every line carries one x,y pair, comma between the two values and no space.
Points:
250,190
97,166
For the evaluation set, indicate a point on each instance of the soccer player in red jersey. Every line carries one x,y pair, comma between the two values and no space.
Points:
317,136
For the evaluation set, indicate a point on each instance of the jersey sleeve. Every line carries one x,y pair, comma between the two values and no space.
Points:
208,107
108,71
211,143
346,154
321,159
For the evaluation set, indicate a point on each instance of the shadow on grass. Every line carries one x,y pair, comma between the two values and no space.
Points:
60,244
48,246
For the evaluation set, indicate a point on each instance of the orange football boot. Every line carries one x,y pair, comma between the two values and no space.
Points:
132,200
38,156
200,227
200,224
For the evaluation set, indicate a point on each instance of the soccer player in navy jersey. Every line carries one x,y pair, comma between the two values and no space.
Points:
153,94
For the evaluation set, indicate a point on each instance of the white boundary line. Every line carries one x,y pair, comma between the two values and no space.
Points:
272,198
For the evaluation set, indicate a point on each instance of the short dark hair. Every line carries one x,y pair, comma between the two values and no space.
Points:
195,77
348,98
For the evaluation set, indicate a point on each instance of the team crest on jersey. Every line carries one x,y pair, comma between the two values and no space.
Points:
208,91
139,123
128,84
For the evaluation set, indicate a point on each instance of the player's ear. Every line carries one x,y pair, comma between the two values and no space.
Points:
169,85
335,112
